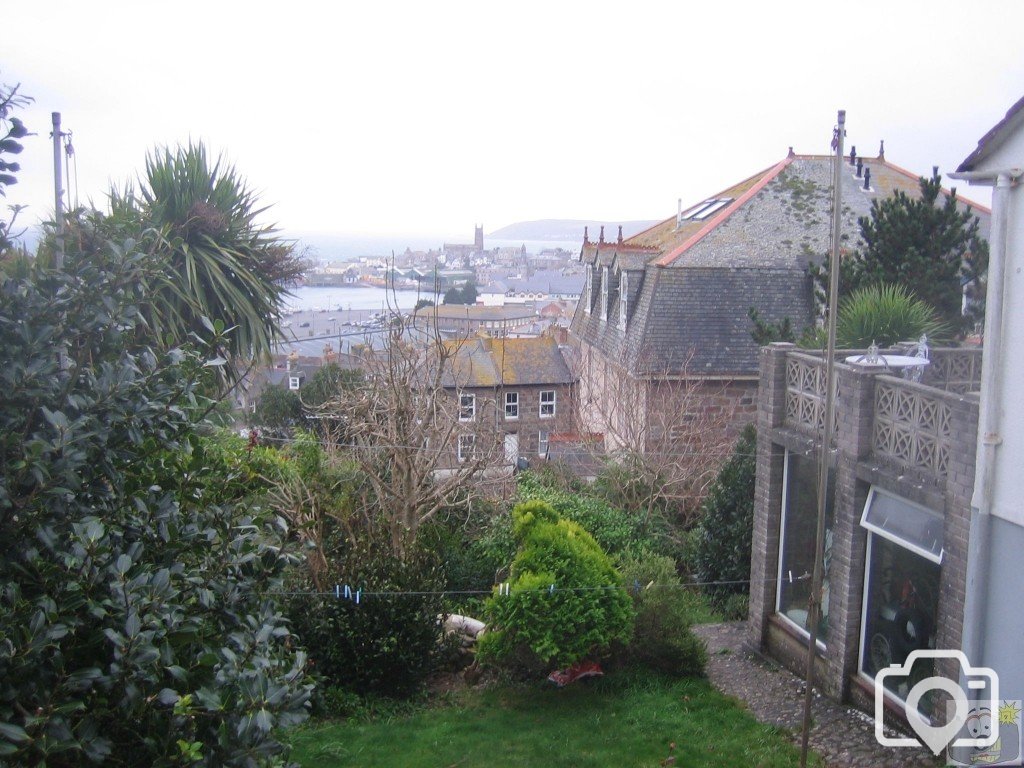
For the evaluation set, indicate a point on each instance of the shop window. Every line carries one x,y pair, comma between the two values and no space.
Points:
796,547
901,589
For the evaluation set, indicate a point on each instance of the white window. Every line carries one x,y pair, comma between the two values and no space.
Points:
511,405
623,298
293,382
589,288
467,446
547,403
604,293
542,443
467,407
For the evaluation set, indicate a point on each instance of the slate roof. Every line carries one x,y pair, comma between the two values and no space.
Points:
994,137
692,282
487,362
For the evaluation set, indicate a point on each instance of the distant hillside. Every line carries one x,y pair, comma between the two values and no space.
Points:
567,229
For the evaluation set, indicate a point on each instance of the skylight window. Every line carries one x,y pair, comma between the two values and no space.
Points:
703,210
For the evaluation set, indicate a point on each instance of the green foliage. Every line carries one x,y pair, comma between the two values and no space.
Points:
385,645
221,265
327,382
665,612
884,315
12,130
722,538
278,409
422,304
765,332
136,626
924,245
583,614
616,531
463,294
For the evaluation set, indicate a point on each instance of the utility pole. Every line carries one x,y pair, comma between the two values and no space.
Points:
58,192
814,602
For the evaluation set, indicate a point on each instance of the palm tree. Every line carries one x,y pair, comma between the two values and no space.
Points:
222,269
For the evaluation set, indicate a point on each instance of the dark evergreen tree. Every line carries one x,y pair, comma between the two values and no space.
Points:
932,248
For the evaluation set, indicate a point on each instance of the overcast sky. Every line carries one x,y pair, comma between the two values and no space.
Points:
427,117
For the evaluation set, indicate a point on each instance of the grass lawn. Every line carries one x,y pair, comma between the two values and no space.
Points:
624,720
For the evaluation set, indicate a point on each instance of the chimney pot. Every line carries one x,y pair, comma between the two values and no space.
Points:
860,167
881,150
867,178
853,155
601,238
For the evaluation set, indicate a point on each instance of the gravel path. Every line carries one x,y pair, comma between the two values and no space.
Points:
844,736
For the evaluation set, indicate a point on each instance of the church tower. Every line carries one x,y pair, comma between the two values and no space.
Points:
478,238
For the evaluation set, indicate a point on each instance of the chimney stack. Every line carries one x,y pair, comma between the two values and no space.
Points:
600,240
881,150
853,156
860,167
867,178
620,234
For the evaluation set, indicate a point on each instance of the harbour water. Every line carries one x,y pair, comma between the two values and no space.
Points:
350,298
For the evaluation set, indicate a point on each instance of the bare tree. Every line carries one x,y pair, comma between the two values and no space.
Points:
417,446
666,432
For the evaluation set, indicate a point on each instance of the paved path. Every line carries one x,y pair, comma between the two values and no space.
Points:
844,736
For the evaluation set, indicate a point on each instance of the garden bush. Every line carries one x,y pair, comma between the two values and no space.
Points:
665,612
616,531
564,602
386,644
721,540
137,623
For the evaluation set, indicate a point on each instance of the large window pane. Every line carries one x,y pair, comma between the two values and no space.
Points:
799,530
901,598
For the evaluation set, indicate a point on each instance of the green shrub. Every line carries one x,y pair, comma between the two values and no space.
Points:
665,610
565,601
385,645
615,530
885,315
137,623
721,540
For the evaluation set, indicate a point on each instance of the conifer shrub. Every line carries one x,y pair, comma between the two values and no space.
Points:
721,541
565,601
665,610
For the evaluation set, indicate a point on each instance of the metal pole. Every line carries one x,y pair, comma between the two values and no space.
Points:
814,602
58,193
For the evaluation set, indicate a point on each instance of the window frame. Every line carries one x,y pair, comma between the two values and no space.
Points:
465,448
543,442
553,403
623,298
515,405
294,383
467,412
605,290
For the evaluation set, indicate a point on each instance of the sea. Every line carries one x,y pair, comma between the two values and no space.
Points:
334,247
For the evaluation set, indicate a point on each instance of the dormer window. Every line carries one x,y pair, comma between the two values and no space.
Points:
623,299
604,293
589,287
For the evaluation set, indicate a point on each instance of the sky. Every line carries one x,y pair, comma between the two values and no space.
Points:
425,118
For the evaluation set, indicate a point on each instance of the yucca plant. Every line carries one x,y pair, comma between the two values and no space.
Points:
885,314
223,267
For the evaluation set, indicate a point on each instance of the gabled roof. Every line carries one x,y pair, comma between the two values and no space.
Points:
746,246
988,143
487,362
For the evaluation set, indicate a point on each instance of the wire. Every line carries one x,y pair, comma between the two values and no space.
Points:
347,593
